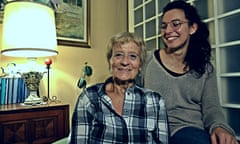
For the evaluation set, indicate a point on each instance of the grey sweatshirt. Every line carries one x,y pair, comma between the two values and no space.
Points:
189,101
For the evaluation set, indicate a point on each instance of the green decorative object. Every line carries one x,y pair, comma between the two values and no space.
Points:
82,83
87,72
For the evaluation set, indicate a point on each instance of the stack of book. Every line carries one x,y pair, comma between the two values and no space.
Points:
12,90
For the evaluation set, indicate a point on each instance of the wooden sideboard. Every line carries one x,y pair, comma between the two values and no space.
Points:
41,124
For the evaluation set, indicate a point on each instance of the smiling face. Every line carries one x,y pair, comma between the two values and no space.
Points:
175,30
125,61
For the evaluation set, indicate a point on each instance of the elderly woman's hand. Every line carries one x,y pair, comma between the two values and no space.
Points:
222,136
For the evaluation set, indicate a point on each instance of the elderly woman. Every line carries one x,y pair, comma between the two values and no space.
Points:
119,111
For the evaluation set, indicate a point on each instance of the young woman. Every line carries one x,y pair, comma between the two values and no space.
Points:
183,74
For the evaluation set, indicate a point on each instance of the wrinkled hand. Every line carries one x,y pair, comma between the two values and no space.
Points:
222,136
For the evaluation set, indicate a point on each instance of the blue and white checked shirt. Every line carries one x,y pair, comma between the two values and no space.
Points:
143,119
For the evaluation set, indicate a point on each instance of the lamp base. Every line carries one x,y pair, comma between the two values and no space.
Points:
32,99
32,80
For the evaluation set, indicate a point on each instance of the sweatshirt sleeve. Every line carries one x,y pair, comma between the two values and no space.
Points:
212,111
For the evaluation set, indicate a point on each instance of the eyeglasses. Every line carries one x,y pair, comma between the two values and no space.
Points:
174,24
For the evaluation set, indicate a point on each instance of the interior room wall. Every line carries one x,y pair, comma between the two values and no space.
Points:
108,17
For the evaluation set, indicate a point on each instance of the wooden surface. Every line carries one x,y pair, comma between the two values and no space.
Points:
40,124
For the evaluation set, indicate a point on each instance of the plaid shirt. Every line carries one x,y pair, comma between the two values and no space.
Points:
143,119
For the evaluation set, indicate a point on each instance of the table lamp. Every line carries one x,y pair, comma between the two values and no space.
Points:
28,30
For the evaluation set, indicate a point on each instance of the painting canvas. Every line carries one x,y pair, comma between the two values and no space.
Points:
72,21
1,10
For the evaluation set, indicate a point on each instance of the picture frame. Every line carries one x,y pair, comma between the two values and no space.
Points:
73,26
72,22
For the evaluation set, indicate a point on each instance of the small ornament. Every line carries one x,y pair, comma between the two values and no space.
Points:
82,83
48,61
87,72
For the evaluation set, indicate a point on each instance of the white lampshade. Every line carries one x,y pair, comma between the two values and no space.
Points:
28,30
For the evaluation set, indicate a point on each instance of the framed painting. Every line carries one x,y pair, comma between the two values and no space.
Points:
1,10
72,21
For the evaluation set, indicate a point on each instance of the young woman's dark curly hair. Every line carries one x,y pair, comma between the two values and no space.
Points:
199,50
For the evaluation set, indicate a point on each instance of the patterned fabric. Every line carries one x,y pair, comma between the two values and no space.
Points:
143,119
